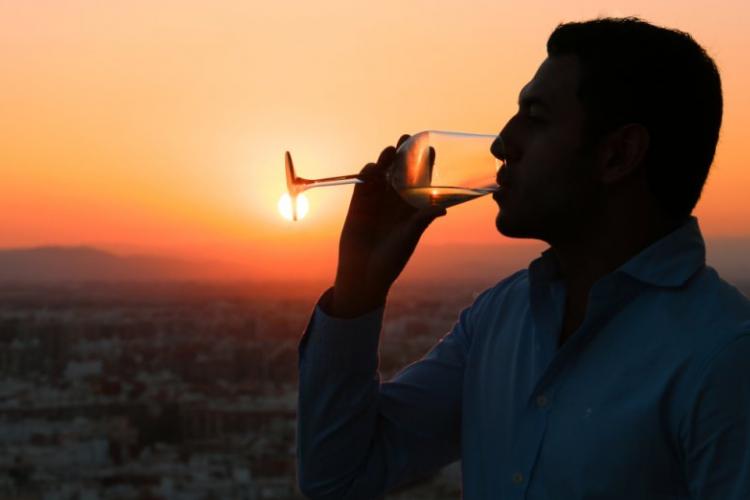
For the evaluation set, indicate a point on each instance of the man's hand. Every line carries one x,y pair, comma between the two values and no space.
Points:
379,236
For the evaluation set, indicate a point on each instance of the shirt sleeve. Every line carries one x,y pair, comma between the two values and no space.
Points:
358,437
717,443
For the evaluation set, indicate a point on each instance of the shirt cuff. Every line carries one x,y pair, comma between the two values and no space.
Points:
350,343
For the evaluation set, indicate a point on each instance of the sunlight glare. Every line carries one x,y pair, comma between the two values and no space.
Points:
285,206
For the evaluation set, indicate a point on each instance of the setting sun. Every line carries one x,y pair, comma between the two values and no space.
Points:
285,206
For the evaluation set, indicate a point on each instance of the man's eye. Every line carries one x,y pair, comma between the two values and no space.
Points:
535,117
534,113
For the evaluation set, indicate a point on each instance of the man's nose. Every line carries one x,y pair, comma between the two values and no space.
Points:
507,144
498,148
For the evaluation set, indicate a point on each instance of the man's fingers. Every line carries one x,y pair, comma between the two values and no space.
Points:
369,174
386,159
368,169
401,140
386,156
431,160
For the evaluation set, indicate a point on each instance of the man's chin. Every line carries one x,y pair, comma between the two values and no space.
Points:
505,225
511,228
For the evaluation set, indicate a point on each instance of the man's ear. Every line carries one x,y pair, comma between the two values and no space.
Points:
623,152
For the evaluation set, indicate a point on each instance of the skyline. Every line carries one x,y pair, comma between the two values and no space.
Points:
160,128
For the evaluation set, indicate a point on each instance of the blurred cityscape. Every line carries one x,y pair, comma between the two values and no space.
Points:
174,391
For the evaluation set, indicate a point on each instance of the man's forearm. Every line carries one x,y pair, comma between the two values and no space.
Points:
338,398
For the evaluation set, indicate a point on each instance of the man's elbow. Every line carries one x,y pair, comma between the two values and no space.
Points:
338,484
317,489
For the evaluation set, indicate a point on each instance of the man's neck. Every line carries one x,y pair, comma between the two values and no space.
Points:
603,246
598,250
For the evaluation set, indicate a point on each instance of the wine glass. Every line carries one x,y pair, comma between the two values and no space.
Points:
430,168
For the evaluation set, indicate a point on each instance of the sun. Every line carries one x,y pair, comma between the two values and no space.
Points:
285,206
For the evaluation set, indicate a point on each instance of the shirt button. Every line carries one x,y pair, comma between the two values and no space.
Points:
518,478
541,401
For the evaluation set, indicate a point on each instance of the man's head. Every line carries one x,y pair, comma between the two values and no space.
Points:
619,106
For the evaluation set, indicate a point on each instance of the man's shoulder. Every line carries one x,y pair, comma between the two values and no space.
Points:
496,304
707,311
514,287
716,297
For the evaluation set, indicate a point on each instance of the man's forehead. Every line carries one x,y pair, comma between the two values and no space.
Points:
555,80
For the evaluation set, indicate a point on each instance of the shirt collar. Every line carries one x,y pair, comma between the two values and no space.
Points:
668,262
672,260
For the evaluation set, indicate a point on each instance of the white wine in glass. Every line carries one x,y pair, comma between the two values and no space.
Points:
442,196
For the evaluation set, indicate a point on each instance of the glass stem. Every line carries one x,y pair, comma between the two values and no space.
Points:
333,181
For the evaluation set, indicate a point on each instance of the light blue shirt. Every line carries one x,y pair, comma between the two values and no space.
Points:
648,400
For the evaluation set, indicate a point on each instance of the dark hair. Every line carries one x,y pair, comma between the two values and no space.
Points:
635,72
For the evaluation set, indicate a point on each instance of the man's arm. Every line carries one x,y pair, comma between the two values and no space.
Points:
358,438
353,439
717,438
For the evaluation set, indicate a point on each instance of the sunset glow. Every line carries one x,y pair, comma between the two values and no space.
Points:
159,127
286,210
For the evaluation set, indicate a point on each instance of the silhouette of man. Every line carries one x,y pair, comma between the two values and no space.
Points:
617,366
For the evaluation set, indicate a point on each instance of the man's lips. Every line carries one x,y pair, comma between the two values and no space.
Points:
500,194
502,179
503,182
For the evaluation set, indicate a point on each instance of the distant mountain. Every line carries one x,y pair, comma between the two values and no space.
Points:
483,265
53,264
731,257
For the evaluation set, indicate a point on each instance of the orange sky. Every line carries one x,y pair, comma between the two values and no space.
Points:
160,126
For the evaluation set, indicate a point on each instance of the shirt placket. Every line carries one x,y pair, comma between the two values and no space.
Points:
547,303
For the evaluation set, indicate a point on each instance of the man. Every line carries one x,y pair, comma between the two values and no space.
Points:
617,366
